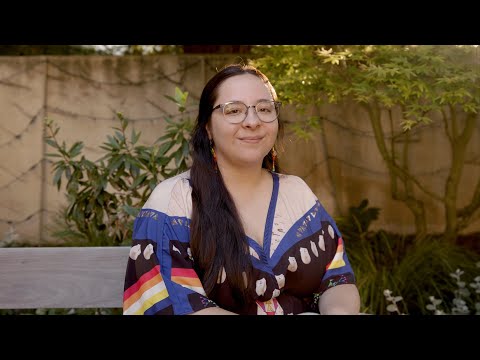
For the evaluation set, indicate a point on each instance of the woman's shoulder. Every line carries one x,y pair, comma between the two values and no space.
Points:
174,189
295,189
293,182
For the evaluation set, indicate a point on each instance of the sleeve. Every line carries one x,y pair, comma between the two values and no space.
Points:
160,278
337,266
338,269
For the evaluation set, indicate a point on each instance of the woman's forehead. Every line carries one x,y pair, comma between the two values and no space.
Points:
243,88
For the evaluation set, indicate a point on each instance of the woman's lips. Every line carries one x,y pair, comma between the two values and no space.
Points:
252,139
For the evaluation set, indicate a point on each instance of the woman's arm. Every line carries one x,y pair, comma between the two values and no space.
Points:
342,299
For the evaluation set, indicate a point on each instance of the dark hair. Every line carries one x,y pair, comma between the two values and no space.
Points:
217,236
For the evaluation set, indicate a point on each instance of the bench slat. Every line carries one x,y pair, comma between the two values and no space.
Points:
62,277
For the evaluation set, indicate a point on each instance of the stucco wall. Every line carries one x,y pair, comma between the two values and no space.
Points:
82,94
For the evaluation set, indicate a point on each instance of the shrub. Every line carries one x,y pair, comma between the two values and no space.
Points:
403,264
105,195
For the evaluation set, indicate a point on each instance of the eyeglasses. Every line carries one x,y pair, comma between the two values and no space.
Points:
236,111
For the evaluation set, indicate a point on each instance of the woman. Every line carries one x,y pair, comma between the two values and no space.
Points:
232,235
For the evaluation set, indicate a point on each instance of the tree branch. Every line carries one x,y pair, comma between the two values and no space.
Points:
394,168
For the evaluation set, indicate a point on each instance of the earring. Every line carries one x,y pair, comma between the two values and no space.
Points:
274,157
212,150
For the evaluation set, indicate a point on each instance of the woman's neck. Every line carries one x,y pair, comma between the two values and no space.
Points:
244,179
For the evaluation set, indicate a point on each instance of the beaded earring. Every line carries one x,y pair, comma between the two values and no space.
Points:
274,157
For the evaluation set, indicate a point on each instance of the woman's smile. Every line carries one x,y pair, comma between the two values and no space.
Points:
251,139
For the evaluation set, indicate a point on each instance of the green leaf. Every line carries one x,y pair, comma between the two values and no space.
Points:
138,180
113,142
51,143
178,157
134,169
170,98
185,149
115,164
180,96
152,184
57,178
164,148
169,120
135,136
75,149
123,121
131,210
164,137
53,155
164,160
119,136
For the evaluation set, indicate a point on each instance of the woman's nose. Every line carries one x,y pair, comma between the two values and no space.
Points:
251,120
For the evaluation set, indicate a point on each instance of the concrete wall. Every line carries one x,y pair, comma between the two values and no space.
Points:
83,93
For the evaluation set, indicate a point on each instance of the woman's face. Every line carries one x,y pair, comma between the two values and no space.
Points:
245,143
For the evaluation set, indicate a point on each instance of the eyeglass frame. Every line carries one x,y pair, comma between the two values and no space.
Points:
277,105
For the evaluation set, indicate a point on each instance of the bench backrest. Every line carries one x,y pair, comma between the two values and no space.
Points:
62,277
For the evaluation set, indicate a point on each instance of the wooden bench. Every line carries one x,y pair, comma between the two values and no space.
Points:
62,277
